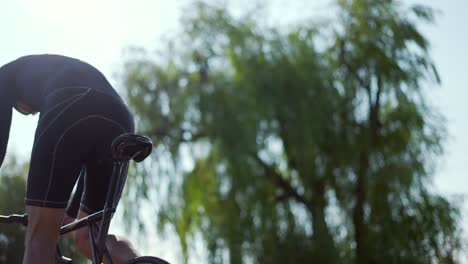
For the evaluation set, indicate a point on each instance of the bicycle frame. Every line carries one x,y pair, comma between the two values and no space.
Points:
124,148
98,241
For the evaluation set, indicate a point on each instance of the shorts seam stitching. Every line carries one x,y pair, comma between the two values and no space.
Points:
58,115
62,102
66,87
44,201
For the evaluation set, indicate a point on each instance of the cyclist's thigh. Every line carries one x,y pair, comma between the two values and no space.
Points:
56,158
113,120
98,176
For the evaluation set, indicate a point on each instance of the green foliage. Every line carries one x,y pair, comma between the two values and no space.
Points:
12,193
307,146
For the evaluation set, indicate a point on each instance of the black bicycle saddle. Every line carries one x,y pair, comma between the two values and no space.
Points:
130,146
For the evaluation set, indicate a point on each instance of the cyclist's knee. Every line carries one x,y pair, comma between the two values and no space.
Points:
43,224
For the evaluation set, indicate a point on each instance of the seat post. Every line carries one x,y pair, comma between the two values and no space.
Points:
115,183
124,148
109,206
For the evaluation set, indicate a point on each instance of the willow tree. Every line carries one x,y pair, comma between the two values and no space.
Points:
384,70
308,144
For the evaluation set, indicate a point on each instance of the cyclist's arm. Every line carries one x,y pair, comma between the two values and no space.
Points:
5,123
6,107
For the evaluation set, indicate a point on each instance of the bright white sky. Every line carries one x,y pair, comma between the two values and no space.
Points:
98,31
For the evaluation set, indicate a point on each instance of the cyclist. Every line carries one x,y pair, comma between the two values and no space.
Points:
80,115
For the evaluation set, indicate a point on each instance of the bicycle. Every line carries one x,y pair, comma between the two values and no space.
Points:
124,148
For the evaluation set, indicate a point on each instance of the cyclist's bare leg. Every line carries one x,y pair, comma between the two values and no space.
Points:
42,234
119,248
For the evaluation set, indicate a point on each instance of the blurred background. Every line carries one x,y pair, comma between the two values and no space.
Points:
325,131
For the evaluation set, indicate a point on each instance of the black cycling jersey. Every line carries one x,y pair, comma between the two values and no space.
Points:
29,79
80,115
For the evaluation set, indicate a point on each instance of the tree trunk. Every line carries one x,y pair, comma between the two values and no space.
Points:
358,213
324,245
369,138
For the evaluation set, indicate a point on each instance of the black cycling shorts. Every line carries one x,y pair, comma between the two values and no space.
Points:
74,133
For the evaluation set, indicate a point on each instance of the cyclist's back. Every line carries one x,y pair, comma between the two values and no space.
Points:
36,76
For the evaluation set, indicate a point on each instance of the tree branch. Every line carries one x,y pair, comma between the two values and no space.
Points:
375,107
288,190
351,69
